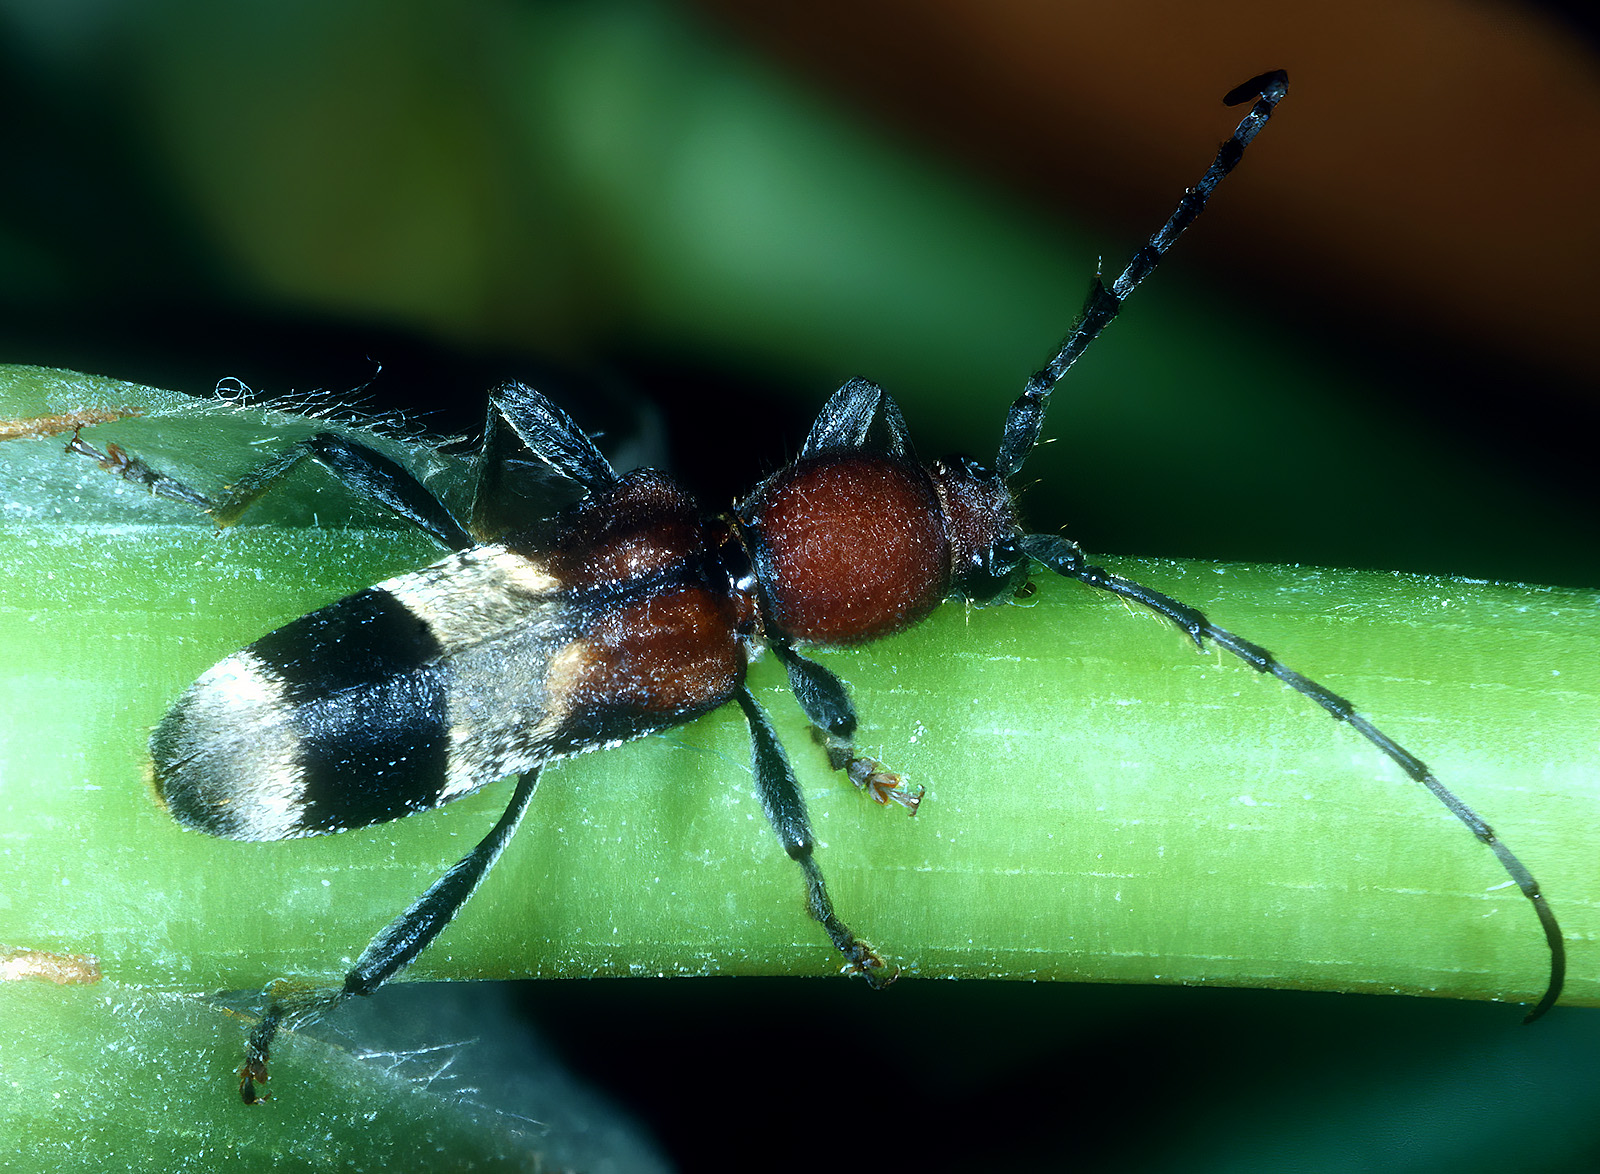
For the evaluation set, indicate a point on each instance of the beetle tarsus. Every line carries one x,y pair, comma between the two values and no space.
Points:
120,463
869,966
253,1074
882,784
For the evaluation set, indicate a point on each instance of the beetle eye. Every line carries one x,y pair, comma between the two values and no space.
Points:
1005,556
997,569
1007,562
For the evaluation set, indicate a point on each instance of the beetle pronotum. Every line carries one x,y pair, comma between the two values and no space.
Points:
628,612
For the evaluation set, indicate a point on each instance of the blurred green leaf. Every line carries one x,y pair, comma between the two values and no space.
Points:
110,1077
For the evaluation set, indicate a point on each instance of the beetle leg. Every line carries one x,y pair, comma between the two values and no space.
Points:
859,415
826,702
780,797
119,462
363,470
394,948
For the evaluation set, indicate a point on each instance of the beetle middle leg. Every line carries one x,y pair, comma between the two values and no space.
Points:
779,792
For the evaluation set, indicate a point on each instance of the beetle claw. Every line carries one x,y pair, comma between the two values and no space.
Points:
883,784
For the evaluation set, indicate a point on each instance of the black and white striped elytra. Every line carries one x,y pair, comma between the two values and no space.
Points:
630,611
490,662
282,740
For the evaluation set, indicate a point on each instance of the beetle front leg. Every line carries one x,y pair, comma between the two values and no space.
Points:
826,702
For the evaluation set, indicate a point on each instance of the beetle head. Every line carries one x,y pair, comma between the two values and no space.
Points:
981,525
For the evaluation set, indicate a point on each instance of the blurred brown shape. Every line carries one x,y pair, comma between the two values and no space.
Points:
1442,173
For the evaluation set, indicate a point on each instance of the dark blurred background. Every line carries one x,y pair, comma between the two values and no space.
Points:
1375,349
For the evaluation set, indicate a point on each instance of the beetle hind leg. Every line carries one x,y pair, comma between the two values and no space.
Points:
120,463
395,947
361,469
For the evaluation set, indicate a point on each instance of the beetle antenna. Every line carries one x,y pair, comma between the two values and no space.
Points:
1026,417
1067,558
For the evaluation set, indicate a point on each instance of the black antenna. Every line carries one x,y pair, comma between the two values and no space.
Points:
1066,558
1026,416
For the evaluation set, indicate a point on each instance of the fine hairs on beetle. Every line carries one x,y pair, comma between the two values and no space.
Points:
549,632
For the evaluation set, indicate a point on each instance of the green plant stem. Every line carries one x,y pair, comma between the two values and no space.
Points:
1103,804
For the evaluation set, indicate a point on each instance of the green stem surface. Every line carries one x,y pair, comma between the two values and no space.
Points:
1103,803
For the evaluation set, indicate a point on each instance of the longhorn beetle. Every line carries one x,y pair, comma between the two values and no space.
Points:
629,611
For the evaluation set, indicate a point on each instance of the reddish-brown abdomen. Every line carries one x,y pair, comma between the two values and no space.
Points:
663,639
848,547
655,661
639,529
